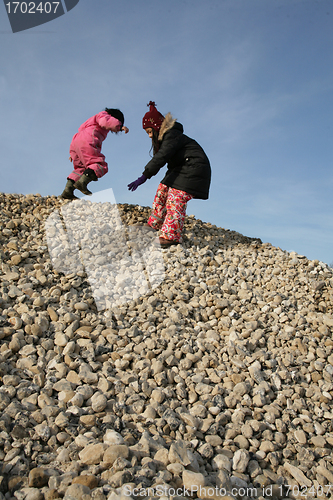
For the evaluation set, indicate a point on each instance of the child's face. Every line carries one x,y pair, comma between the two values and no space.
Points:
149,132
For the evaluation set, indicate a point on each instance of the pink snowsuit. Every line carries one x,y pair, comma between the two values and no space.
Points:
86,145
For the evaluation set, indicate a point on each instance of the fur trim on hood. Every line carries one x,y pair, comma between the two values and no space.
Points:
167,124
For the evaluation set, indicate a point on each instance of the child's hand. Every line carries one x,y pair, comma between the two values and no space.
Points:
125,129
134,185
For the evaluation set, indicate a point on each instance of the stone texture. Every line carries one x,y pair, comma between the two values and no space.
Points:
221,375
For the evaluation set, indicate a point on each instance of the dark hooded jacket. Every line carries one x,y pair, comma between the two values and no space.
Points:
188,166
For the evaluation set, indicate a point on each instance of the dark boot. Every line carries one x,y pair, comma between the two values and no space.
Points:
68,192
164,243
87,176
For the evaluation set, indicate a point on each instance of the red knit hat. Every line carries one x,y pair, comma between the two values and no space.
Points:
153,118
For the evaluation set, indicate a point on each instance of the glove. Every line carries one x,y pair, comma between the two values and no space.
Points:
134,185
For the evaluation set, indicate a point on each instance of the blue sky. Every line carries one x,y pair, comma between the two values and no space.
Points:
250,80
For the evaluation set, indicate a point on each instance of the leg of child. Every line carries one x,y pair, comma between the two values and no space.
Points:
159,210
79,166
85,156
176,210
100,167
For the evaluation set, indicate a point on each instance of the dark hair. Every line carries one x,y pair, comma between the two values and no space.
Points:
155,142
116,113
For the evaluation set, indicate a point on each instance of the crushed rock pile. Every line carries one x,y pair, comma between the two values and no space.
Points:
216,383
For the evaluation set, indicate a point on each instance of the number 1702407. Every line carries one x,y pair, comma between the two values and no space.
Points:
32,7
305,491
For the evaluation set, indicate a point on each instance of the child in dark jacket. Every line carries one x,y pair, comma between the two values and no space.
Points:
85,150
188,174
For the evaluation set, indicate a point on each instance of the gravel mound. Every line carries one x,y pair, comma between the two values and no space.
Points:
212,377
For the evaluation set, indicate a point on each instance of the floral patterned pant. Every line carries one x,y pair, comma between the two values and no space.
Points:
169,210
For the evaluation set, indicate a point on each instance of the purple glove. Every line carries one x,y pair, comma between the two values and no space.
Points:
134,185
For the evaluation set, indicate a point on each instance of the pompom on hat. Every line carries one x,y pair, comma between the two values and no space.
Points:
153,118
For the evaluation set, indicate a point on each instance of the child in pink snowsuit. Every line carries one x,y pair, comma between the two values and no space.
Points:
85,150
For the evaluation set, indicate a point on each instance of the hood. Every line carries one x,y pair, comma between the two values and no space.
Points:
167,124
